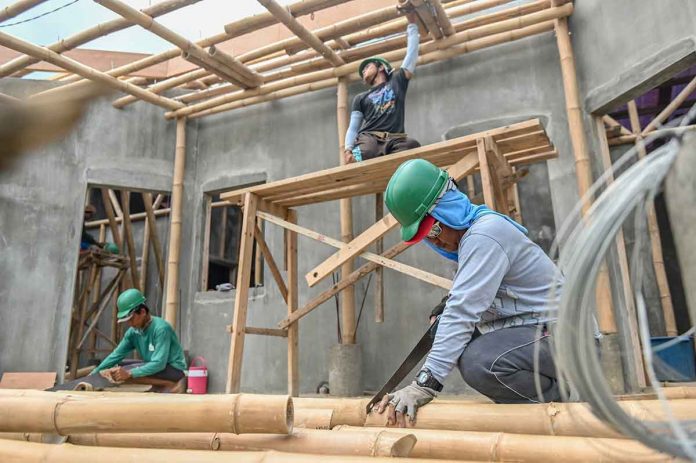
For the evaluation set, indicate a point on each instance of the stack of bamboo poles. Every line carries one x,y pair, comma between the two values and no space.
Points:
246,427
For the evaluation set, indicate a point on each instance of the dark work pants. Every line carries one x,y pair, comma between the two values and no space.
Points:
169,373
371,146
500,365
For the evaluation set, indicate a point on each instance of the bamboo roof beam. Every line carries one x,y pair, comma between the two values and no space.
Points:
665,113
78,68
18,8
229,68
449,47
307,36
159,87
380,47
92,33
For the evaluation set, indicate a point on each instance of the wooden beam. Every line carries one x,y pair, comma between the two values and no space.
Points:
273,267
669,110
379,271
92,33
441,18
237,73
307,36
207,205
172,301
486,181
151,226
115,204
398,266
613,123
655,238
145,256
241,300
293,289
18,8
128,232
500,169
459,170
261,331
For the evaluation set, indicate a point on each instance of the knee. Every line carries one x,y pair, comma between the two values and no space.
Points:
475,370
412,143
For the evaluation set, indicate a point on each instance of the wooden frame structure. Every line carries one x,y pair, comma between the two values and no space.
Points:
492,153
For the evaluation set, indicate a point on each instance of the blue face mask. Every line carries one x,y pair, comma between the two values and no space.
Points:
456,211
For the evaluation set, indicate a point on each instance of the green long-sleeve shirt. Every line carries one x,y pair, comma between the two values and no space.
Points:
157,345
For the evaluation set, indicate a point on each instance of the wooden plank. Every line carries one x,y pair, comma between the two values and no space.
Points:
486,181
262,331
241,301
28,380
293,290
499,169
399,267
273,267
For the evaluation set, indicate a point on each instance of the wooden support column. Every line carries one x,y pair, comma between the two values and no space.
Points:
348,321
293,330
172,304
128,232
655,238
607,324
151,227
379,271
145,255
486,180
95,294
273,267
241,300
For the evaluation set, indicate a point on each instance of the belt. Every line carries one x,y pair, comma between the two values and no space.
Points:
387,134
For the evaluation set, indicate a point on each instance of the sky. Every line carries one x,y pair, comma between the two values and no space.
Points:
194,22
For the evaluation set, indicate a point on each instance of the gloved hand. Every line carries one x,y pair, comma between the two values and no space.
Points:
405,402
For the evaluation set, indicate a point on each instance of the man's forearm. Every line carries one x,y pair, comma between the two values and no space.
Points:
356,118
412,43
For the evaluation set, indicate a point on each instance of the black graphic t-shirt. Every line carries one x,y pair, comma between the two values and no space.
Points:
383,106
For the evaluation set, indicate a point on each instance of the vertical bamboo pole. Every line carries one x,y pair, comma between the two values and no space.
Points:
346,211
207,206
128,231
655,239
97,291
151,227
172,304
607,324
241,301
293,330
145,256
486,181
379,272
258,264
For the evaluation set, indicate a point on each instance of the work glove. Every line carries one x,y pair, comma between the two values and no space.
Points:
405,402
439,308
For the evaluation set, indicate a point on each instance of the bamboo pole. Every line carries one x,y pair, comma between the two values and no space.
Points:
241,300
379,271
522,448
293,290
145,255
29,452
350,411
151,228
372,442
557,419
92,33
128,232
613,123
313,418
159,87
348,320
71,65
284,16
655,238
134,218
96,293
18,8
236,413
172,304
237,73
669,110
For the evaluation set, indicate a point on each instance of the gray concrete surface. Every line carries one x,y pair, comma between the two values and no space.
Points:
41,200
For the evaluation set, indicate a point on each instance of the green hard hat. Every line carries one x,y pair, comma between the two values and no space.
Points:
375,59
111,248
412,191
128,301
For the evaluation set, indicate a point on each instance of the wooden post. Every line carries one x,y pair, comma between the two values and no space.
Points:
151,227
145,255
95,293
514,194
379,272
486,181
655,239
293,330
241,300
607,324
205,260
266,252
348,322
128,231
172,304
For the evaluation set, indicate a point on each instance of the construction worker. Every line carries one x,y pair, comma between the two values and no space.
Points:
87,240
163,363
498,310
377,116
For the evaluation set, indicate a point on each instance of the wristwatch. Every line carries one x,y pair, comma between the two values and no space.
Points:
425,379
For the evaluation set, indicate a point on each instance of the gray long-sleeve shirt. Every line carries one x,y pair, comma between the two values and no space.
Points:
503,279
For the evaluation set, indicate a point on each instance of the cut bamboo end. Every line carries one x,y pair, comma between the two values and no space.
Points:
345,411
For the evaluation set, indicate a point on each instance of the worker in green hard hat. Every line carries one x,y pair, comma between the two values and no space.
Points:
377,116
163,362
87,240
498,310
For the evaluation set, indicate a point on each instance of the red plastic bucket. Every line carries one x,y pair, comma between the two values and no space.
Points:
198,377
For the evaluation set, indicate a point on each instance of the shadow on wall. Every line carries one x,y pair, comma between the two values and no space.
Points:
534,189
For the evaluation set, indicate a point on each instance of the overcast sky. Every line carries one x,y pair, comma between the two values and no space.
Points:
196,21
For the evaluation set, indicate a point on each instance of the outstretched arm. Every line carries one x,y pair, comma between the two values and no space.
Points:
356,119
412,42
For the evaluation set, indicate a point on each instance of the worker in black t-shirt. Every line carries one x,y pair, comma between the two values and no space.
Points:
377,116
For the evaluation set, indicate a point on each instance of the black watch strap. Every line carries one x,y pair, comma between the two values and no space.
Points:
426,379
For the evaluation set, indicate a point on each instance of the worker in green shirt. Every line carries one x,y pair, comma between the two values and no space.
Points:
163,363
